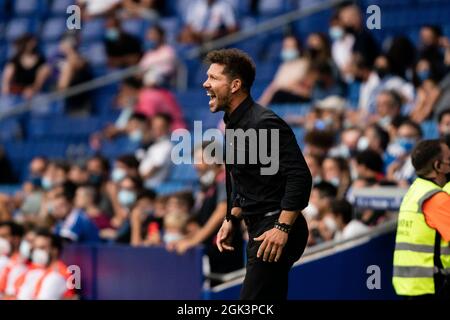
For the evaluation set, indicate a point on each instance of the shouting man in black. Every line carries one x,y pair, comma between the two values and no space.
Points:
269,201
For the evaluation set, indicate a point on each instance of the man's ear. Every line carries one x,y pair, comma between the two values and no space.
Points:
236,84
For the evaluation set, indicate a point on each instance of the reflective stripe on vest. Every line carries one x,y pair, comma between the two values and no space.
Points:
414,249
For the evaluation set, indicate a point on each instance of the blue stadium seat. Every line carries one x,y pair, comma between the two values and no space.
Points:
17,27
94,53
34,8
53,29
136,27
62,126
50,49
171,26
92,30
59,7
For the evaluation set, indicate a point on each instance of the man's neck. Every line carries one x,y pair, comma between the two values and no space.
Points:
440,181
236,102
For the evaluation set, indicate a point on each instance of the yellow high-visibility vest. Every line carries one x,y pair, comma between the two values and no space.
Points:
414,244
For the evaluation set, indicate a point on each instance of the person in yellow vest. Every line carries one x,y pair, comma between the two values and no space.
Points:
422,251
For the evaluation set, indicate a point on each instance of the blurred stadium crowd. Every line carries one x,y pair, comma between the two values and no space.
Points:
356,104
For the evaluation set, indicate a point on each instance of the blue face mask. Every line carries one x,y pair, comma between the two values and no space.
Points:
407,144
289,54
136,136
336,33
118,174
126,197
423,75
112,34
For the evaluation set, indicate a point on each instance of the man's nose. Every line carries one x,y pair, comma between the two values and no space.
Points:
206,84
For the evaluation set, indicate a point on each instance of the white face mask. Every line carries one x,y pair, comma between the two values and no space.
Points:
25,249
311,211
169,237
40,257
118,174
363,143
5,247
335,181
208,178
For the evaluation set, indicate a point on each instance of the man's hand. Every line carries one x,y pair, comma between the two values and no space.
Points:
184,245
273,242
224,236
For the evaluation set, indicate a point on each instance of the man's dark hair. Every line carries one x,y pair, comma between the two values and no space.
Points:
139,117
424,154
395,97
437,30
320,138
168,119
104,161
371,159
129,160
382,135
55,240
133,82
342,208
361,62
326,189
147,194
442,114
237,64
185,197
68,191
413,124
15,229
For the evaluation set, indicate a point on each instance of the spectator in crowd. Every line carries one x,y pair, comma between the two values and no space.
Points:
11,234
347,226
174,227
209,213
72,223
55,174
6,172
368,166
155,161
47,280
336,171
207,20
122,48
321,224
292,82
352,22
431,41
375,138
402,56
314,166
124,166
444,123
342,44
159,61
318,143
318,50
348,145
388,108
327,83
428,76
78,173
87,198
19,264
146,219
72,69
401,169
26,73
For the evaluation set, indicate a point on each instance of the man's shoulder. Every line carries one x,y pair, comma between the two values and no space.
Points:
265,117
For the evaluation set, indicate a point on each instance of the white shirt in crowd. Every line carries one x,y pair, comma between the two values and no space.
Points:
3,262
96,7
204,18
157,155
341,51
367,92
53,286
352,229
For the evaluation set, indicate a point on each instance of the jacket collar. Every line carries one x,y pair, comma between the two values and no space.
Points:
238,113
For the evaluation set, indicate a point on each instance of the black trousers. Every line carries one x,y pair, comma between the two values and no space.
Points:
269,280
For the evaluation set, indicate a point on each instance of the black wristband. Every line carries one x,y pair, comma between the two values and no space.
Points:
232,218
282,226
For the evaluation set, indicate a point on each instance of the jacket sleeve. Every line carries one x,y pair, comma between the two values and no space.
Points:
292,165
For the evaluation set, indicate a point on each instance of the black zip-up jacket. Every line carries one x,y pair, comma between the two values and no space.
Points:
288,189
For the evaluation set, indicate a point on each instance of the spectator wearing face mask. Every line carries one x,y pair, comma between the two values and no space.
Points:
336,171
87,199
122,48
209,213
375,138
72,224
17,266
401,169
174,227
321,224
342,44
47,280
347,226
388,108
155,161
146,219
292,83
11,234
125,165
123,197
